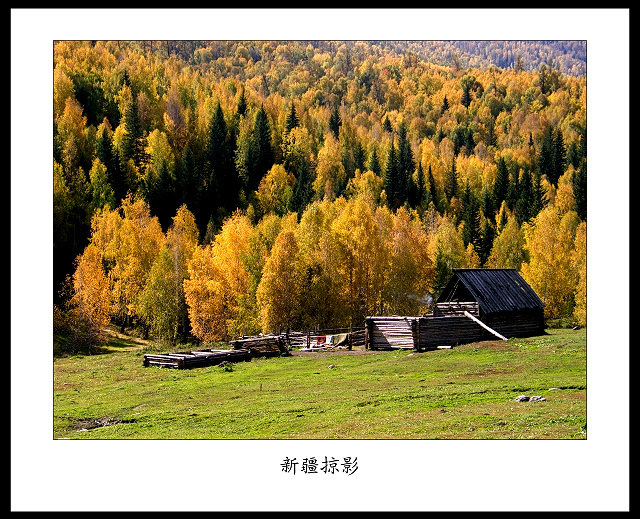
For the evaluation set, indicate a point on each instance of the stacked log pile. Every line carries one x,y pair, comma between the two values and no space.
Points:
263,345
425,332
383,333
357,339
196,358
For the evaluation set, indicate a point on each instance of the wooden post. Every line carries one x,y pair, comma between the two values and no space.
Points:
485,326
367,336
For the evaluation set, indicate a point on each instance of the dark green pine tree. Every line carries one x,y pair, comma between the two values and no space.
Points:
218,159
524,207
292,119
359,156
559,156
133,139
391,178
374,163
457,138
466,97
445,105
406,165
262,151
467,83
303,189
492,139
579,184
335,121
582,148
488,205
546,155
160,194
433,191
485,243
513,190
242,107
451,181
539,196
421,196
386,125
470,217
501,183
469,142
190,186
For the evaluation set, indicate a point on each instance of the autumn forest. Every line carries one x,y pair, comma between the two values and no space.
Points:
207,189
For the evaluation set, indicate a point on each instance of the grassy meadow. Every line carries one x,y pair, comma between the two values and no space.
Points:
467,392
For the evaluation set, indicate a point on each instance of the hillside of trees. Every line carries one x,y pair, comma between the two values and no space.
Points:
207,189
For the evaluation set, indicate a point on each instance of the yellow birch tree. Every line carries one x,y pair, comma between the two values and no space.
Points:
280,289
508,248
549,242
89,307
579,261
218,278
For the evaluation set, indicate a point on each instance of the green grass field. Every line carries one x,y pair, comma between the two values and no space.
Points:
466,392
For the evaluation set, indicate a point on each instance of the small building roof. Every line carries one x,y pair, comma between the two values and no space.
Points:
495,290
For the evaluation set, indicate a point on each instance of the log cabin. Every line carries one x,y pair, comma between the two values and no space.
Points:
474,305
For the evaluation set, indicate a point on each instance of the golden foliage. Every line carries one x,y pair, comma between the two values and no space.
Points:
280,289
89,307
217,280
549,241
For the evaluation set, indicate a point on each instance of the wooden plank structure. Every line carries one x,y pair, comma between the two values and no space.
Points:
262,345
243,349
195,359
475,305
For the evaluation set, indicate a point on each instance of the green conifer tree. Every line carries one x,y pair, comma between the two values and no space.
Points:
263,150
579,184
133,141
334,122
392,183
222,181
433,191
445,105
374,163
292,119
501,183
451,181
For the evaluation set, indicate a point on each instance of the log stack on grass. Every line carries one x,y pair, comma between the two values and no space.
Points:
262,345
195,358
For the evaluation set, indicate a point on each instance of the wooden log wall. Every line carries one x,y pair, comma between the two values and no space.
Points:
450,330
517,324
385,333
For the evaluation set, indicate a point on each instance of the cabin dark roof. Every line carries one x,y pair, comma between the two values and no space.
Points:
495,290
